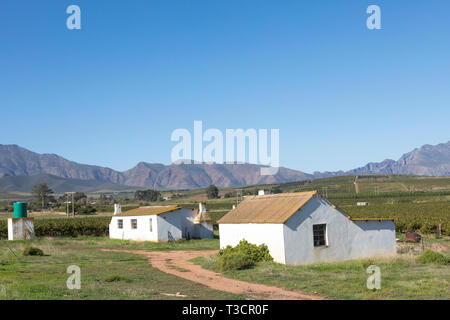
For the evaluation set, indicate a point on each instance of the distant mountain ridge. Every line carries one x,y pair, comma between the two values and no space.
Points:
18,162
57,184
427,160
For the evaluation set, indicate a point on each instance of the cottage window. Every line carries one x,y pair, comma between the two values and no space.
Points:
151,225
120,224
133,224
319,233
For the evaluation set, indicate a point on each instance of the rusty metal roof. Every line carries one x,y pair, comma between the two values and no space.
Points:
146,211
275,208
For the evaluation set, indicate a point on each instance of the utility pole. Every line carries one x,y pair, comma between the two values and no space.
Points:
325,192
73,206
238,196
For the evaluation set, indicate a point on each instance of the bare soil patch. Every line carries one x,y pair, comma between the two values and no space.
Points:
178,264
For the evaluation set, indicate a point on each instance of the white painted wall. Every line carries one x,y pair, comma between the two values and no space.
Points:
142,233
270,234
372,238
20,228
167,226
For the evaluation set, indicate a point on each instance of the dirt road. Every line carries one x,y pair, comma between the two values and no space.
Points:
178,264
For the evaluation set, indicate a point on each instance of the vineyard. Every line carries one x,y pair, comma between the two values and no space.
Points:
63,227
420,217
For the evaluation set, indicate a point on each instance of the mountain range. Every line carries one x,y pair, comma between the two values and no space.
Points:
17,163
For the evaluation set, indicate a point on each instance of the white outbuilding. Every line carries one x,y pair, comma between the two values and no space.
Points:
301,228
161,223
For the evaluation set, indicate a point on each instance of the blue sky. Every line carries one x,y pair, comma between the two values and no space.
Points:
112,93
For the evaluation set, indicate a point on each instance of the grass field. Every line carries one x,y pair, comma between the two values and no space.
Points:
104,275
402,277
112,275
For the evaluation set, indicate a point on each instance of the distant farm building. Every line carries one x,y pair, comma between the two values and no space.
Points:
301,228
362,204
161,223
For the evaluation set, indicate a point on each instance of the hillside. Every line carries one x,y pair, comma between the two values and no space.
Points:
16,161
426,161
57,184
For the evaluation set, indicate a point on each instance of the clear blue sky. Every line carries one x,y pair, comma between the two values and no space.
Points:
112,93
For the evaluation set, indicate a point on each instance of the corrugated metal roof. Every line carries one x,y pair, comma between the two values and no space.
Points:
275,208
146,211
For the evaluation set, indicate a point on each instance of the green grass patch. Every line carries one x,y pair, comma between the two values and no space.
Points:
401,278
104,275
430,256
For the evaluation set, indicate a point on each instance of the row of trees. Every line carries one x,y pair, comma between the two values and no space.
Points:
43,198
147,195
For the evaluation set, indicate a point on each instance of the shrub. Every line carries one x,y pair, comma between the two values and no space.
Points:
254,252
33,251
115,278
234,261
430,256
242,256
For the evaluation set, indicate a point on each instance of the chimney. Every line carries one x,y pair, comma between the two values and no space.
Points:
201,207
260,192
117,208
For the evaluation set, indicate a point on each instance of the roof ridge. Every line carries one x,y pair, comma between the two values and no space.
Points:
284,195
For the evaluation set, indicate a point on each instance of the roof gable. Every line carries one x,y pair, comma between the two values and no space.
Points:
276,208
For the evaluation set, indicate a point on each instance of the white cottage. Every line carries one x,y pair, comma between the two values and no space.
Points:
301,228
161,223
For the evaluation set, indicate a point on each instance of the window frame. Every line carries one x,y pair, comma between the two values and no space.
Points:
119,223
151,224
133,226
320,233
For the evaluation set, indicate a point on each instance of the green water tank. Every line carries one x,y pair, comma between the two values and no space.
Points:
20,209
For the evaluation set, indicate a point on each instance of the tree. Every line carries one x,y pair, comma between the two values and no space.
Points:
78,196
277,190
147,195
212,192
228,195
41,193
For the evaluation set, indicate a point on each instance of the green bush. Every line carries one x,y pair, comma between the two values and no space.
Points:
115,278
430,256
244,255
234,261
32,251
254,252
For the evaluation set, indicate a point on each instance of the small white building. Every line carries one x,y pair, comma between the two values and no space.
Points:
362,204
161,223
302,228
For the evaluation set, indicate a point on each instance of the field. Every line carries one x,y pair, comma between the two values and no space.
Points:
402,277
113,275
104,275
419,204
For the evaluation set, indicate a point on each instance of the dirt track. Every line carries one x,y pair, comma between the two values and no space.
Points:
178,264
